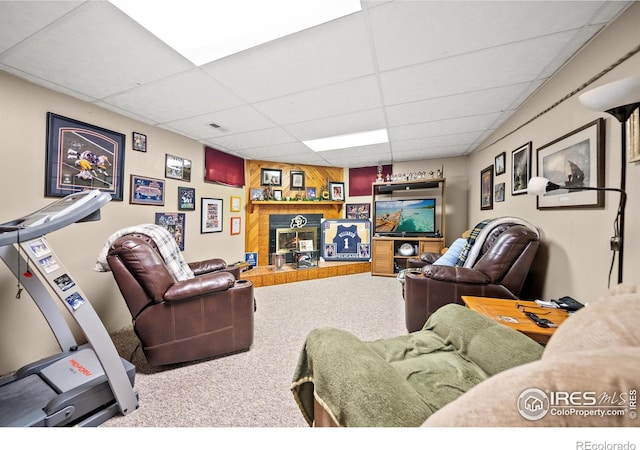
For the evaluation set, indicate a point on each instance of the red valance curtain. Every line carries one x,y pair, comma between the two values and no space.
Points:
360,179
223,168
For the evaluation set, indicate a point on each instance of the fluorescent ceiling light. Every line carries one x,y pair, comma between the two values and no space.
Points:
207,30
348,140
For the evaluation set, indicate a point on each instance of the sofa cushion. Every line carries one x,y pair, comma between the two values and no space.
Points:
612,373
610,321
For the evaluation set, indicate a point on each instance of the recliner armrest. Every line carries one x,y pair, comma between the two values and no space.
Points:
210,265
455,274
203,285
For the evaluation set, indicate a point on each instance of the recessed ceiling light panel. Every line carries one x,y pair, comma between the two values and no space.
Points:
207,30
348,140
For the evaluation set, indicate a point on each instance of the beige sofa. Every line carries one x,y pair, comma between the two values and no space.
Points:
594,356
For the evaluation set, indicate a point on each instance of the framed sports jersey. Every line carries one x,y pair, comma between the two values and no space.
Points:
346,240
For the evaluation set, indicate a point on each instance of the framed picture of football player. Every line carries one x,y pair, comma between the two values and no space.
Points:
81,156
345,240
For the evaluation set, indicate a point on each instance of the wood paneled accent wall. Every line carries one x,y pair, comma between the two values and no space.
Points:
257,221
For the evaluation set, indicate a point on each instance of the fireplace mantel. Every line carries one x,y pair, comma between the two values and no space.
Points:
321,203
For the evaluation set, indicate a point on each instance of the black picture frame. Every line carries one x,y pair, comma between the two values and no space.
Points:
139,141
186,198
212,215
336,191
521,168
486,188
358,211
296,179
82,156
270,177
581,155
500,163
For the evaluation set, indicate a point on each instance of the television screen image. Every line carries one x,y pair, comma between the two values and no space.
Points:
405,217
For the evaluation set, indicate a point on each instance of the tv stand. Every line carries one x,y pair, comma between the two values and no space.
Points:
386,258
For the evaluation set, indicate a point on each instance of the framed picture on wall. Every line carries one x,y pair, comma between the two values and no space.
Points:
174,223
271,177
499,192
486,188
211,215
177,168
235,225
520,169
186,199
346,240
296,179
336,191
358,210
139,142
500,162
633,136
146,191
575,159
81,156
235,204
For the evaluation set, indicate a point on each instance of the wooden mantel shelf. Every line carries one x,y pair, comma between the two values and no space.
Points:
337,204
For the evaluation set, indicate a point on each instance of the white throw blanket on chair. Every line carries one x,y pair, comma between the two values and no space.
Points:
165,242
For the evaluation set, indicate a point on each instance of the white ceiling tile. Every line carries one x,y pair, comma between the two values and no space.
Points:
231,121
360,94
508,64
187,94
454,106
338,125
19,20
254,139
332,53
443,127
431,30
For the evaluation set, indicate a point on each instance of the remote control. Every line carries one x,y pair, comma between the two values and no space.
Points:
544,323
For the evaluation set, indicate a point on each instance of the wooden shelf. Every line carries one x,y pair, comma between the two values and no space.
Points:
337,204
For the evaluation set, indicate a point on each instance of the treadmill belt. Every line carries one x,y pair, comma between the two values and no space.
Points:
22,400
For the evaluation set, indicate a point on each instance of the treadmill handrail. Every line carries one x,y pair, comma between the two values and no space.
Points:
93,201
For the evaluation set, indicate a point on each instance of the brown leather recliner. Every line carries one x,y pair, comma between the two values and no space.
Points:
500,270
177,321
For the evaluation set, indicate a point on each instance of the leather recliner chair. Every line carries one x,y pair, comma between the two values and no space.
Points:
178,321
500,270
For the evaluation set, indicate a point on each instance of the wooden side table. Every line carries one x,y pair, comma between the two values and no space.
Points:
507,313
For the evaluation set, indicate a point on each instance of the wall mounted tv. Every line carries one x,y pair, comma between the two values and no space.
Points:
416,217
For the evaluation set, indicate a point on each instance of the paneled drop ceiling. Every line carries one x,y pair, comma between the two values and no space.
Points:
439,75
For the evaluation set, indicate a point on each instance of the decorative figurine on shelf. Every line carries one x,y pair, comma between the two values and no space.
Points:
379,176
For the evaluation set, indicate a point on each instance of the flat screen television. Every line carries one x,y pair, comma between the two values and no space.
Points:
416,217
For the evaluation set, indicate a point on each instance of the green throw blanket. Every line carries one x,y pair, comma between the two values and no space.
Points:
401,381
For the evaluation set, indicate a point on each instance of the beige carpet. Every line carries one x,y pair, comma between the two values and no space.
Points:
252,389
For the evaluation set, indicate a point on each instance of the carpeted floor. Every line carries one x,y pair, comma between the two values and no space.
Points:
252,389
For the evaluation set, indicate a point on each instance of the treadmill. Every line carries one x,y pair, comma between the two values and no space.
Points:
83,385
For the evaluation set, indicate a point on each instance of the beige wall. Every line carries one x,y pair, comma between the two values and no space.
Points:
24,336
576,250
